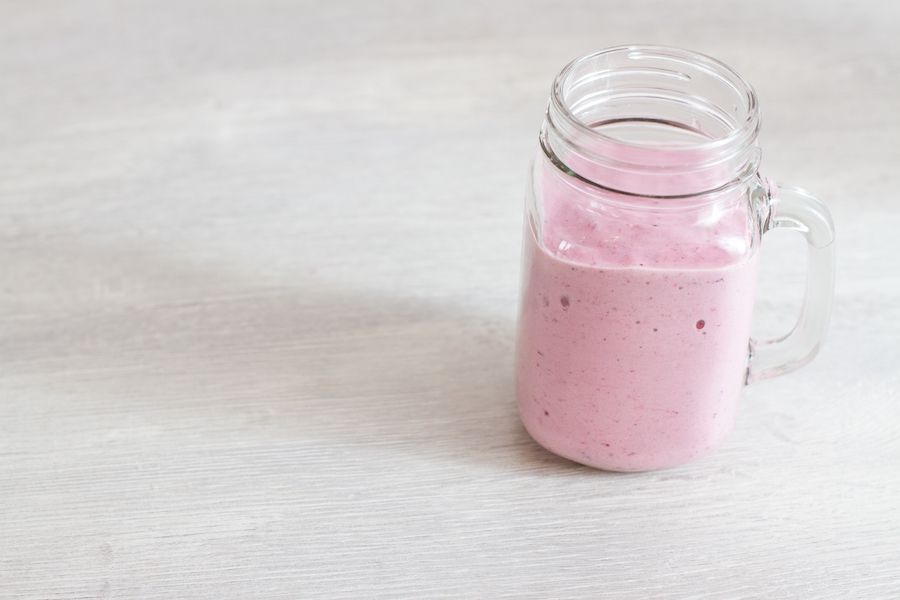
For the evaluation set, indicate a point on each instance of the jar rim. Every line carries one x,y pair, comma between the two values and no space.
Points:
654,121
744,133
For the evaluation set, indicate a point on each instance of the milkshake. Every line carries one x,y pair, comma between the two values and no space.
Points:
631,356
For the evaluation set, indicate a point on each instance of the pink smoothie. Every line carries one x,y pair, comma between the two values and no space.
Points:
633,337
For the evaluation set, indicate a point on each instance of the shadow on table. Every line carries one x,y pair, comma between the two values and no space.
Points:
128,334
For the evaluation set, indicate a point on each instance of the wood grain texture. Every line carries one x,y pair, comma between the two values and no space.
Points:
258,280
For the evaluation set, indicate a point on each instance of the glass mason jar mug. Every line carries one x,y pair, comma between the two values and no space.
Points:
644,215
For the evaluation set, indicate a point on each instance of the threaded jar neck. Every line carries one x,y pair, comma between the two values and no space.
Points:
652,121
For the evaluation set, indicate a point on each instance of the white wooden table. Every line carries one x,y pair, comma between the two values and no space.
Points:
258,280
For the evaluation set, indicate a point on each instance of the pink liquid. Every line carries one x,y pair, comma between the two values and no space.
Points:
633,338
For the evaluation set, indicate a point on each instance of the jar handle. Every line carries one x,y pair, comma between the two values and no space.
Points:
792,208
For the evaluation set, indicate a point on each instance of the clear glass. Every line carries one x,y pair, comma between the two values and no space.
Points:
644,215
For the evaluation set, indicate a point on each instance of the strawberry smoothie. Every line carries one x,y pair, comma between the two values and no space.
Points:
634,329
